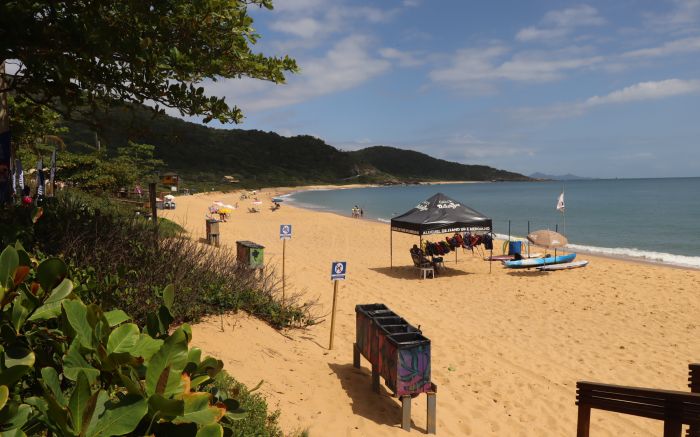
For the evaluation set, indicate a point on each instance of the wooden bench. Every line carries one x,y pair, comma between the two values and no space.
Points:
694,384
674,408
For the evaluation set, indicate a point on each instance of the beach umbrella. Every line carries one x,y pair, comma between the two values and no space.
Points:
548,239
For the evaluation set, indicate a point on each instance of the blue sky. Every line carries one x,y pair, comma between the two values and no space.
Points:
602,89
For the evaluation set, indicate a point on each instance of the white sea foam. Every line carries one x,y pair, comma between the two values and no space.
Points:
646,255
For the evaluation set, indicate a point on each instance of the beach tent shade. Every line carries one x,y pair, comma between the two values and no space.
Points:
440,214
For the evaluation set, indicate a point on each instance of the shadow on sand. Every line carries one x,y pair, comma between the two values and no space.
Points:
410,272
380,408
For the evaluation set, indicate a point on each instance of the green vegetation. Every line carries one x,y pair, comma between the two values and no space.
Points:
204,155
76,55
71,369
128,264
408,164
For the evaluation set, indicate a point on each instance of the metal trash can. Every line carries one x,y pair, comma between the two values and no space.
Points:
213,231
405,364
250,254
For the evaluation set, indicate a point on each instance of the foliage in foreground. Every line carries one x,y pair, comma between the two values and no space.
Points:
128,264
76,370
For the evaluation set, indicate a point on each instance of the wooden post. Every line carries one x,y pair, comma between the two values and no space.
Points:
694,384
284,245
432,414
375,378
583,425
335,299
355,356
406,413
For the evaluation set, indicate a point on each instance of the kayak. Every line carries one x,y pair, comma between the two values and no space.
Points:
509,257
537,262
563,266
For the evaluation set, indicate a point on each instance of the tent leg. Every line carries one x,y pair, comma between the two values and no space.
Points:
391,248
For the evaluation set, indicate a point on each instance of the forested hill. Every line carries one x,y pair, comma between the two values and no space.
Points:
201,153
409,164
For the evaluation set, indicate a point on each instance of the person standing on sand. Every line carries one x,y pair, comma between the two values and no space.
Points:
362,213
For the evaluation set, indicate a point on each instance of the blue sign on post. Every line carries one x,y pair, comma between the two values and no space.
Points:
285,232
338,270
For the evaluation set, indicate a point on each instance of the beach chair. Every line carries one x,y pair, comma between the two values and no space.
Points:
424,266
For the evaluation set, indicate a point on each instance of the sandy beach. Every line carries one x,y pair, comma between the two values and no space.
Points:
507,346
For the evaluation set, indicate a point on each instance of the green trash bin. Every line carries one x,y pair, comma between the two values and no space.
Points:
250,254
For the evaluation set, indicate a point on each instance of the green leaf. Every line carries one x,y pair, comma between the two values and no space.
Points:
169,297
165,367
123,339
116,317
74,363
166,407
194,356
146,346
19,418
13,374
46,312
94,409
199,410
19,355
50,378
211,430
61,291
20,311
9,260
120,418
197,382
76,312
79,401
50,272
4,395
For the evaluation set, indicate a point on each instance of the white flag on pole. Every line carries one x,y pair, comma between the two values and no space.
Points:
560,202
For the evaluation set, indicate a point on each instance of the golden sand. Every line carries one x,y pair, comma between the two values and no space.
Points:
507,346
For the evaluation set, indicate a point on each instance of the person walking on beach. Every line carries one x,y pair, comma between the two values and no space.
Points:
362,213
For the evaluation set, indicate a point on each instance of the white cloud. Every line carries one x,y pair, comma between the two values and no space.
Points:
642,91
303,27
346,65
557,24
685,45
474,68
404,59
683,15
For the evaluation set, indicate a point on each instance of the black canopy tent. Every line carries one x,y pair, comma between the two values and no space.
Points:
436,215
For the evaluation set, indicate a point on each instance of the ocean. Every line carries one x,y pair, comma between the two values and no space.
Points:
649,219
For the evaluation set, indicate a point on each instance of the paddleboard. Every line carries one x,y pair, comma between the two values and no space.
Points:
536,262
563,266
510,257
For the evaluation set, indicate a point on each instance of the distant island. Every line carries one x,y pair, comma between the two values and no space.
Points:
566,177
256,158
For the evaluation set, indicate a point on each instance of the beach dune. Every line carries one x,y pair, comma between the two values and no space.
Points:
507,346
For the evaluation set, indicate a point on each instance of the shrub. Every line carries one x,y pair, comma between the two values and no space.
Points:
129,264
70,369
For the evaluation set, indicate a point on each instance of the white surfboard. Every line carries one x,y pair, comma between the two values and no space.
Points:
563,266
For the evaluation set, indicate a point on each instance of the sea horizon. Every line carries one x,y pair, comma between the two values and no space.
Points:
606,217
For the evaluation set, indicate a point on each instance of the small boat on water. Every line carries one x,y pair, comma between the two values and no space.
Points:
537,262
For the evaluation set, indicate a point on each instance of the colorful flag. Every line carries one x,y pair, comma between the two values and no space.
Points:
560,202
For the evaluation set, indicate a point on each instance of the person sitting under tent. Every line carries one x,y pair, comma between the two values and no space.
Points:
422,259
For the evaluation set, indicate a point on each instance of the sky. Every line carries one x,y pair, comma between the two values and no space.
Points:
598,89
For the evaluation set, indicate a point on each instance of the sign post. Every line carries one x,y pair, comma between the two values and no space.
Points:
338,270
285,234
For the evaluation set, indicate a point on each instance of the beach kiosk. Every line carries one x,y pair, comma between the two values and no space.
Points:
438,214
250,254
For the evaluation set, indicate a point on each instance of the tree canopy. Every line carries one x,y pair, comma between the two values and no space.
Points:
73,54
